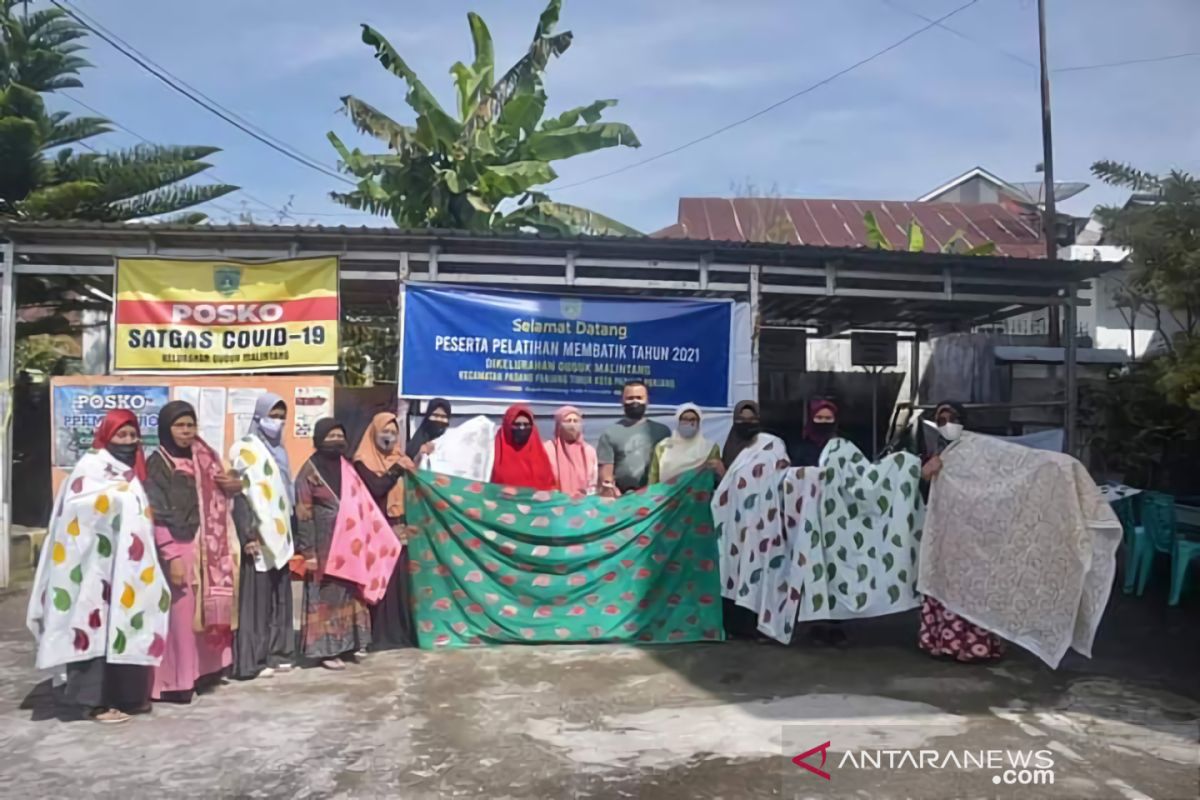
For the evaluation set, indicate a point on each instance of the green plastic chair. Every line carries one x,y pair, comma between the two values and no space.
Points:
1126,511
1162,535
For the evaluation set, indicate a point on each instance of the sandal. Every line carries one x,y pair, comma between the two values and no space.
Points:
335,664
108,716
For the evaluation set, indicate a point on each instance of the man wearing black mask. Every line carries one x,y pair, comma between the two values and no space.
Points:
626,449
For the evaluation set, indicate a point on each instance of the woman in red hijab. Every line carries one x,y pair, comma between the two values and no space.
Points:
820,426
521,458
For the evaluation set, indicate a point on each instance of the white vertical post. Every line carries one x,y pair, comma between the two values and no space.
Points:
8,331
1072,410
433,262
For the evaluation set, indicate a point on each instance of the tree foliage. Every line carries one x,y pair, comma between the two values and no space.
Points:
914,240
481,167
1161,226
42,176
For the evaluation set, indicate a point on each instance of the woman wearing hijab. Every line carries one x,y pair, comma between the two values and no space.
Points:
262,515
98,596
746,444
944,633
189,493
381,464
435,423
686,449
571,458
820,426
521,458
336,622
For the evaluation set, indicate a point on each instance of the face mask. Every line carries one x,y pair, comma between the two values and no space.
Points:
520,436
436,429
635,411
950,431
747,430
386,441
125,453
271,428
688,430
824,428
572,430
331,448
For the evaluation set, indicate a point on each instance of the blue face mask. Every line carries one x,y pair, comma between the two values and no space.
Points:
688,430
272,428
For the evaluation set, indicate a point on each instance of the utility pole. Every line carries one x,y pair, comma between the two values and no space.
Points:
1049,213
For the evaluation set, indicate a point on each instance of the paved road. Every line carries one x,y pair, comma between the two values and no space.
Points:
701,721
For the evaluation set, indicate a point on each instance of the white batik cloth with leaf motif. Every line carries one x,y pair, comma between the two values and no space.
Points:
856,540
99,591
263,484
755,551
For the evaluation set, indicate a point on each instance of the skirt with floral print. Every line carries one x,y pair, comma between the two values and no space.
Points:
944,633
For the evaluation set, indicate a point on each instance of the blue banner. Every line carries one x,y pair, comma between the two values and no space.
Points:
476,344
78,411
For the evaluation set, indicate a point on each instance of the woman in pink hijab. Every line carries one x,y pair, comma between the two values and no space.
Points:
572,459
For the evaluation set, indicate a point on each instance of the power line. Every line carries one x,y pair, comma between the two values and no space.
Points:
1022,60
206,175
773,106
208,105
1129,62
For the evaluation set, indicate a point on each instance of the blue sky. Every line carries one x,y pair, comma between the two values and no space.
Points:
893,129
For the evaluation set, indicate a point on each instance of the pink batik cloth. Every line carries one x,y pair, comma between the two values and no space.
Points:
364,549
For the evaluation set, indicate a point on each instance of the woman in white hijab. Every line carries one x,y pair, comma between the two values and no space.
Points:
685,449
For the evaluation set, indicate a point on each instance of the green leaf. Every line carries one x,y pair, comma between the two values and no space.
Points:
830,506
875,238
887,484
561,143
816,539
434,127
916,238
897,541
563,219
818,602
832,602
268,470
906,490
862,572
62,599
103,545
137,621
818,571
873,475
852,510
164,601
844,588
902,575
118,644
506,180
831,571
116,523
871,552
894,593
77,574
841,523
842,554
860,599
884,505
859,541
756,576
889,561
776,562
830,538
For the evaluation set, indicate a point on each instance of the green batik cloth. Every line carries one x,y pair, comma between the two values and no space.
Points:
492,564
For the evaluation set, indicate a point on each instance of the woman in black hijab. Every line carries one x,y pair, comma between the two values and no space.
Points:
435,423
335,624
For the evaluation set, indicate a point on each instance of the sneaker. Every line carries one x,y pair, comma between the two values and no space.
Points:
266,673
284,668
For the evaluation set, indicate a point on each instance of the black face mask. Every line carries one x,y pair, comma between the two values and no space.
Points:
436,429
125,453
520,436
635,411
747,430
824,428
331,448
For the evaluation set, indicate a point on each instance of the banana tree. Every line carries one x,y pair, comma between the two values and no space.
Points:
915,240
481,167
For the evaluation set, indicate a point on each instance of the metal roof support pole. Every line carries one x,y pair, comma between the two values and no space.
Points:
1072,409
914,369
704,260
433,262
830,278
8,332
569,263
756,323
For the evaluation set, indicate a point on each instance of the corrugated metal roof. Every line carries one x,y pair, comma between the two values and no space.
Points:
839,223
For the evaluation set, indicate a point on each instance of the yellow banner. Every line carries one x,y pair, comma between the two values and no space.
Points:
225,315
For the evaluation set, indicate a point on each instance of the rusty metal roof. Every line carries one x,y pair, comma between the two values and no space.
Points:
839,223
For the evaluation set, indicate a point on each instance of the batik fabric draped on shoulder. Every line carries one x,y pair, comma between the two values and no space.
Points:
99,591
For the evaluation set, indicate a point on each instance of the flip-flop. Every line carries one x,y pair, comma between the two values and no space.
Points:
334,664
109,716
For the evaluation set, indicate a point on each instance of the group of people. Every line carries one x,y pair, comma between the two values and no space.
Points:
228,542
